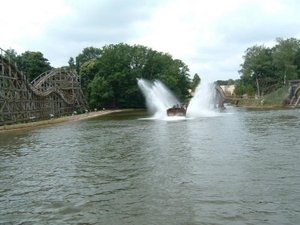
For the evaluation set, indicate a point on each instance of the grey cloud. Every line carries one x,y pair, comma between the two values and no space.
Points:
253,24
93,23
99,22
107,21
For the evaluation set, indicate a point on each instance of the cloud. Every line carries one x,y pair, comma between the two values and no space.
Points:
94,24
259,21
26,20
209,36
188,30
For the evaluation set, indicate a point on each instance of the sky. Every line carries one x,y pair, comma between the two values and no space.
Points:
209,36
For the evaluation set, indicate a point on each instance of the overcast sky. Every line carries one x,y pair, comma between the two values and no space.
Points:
209,36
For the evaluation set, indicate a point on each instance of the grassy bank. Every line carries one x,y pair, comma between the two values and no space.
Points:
49,122
272,100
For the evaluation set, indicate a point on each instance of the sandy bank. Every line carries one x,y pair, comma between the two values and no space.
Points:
65,119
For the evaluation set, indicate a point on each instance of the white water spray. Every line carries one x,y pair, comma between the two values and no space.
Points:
158,97
202,104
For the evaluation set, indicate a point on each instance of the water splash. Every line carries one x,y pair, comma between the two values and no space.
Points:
203,102
158,97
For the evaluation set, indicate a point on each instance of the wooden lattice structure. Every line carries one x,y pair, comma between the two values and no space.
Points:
294,93
53,93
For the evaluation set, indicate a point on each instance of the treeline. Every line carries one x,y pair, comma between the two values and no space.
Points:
32,64
109,74
266,69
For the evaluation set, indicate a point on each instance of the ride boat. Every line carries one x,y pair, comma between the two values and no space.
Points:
177,110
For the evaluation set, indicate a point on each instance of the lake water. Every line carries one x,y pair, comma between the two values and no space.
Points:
237,167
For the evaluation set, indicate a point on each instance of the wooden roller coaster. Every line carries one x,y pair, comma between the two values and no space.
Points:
54,93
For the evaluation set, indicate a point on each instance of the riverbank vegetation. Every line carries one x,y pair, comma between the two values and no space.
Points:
274,99
266,69
109,79
109,74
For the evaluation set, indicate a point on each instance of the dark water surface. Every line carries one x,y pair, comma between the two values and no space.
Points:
242,167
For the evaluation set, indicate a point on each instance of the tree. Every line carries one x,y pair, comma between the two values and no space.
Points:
71,63
267,69
87,73
86,55
101,92
297,63
285,54
33,64
257,68
11,54
195,82
110,80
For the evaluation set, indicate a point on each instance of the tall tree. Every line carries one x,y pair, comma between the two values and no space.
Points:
71,63
285,55
33,64
195,82
111,78
11,54
86,55
87,72
257,68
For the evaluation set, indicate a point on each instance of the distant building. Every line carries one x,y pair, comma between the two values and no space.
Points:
228,89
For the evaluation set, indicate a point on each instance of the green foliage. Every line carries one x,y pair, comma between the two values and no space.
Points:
110,78
100,89
239,89
71,63
265,69
195,82
257,68
249,90
284,56
86,55
33,64
88,71
277,97
109,75
12,54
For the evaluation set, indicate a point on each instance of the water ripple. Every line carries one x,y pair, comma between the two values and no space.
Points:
235,169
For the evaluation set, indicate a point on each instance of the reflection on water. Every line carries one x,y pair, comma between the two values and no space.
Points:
238,168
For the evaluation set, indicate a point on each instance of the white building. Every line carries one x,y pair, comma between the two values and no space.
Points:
228,89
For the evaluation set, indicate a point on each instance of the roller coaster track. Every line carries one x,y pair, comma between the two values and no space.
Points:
294,93
56,92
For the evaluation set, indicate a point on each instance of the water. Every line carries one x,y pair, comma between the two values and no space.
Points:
159,98
202,104
241,167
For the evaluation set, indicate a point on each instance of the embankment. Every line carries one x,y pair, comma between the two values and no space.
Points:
49,122
275,99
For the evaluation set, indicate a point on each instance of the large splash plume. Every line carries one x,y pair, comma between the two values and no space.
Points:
159,98
203,102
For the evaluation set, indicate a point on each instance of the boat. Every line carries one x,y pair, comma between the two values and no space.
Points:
177,110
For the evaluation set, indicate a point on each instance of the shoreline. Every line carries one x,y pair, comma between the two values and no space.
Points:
55,121
262,107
